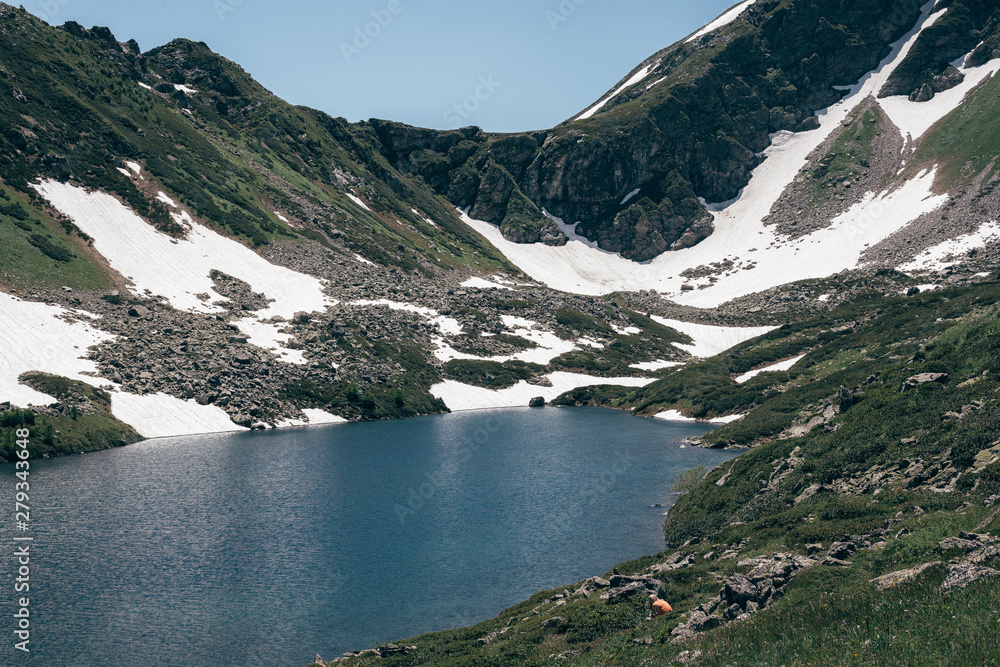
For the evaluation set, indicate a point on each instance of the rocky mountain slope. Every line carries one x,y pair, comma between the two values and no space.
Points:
234,261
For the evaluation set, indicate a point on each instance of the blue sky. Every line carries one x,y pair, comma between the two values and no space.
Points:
534,63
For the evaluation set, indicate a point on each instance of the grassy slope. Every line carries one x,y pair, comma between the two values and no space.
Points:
231,153
966,142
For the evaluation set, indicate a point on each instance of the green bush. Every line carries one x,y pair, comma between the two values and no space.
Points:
51,250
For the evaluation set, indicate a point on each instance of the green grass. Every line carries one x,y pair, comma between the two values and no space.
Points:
964,143
491,374
25,263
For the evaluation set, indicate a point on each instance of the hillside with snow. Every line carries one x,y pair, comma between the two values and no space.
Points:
165,277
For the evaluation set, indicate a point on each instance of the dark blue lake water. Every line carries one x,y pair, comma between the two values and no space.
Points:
266,548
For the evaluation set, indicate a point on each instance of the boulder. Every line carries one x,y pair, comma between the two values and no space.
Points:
900,577
537,402
922,379
389,650
964,573
739,590
701,622
623,588
959,543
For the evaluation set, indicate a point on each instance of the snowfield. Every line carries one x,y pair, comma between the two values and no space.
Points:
178,269
461,397
780,366
39,337
765,258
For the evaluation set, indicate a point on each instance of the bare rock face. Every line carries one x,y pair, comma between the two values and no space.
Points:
900,577
922,379
964,573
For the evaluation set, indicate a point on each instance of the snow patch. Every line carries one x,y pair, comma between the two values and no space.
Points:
185,89
461,397
162,416
630,195
656,365
722,21
134,166
424,217
317,417
144,85
937,257
358,201
281,217
627,331
268,336
549,345
728,419
363,260
922,288
780,366
162,196
480,283
915,118
712,340
40,337
676,416
636,78
449,326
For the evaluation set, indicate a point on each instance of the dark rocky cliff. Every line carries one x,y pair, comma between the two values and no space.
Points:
693,127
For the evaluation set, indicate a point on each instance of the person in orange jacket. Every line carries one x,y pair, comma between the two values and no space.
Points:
659,607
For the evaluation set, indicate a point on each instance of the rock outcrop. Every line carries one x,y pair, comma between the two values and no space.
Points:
745,593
